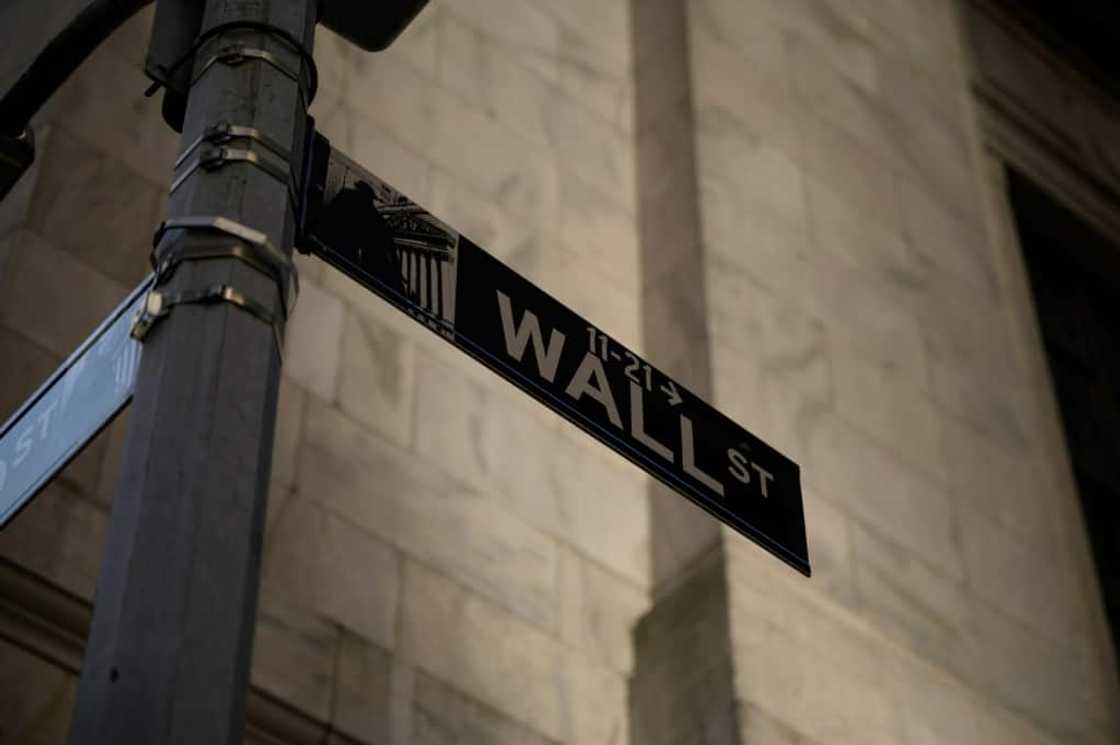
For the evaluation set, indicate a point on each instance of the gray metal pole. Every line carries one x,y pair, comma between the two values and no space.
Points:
169,650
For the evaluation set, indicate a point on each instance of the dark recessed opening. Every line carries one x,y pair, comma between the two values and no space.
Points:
1085,31
1075,278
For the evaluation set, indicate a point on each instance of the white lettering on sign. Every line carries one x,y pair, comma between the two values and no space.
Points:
738,469
738,465
23,446
518,339
590,379
592,367
765,476
638,424
688,456
45,419
70,381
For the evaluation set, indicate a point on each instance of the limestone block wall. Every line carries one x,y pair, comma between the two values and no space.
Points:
490,557
864,319
444,559
787,204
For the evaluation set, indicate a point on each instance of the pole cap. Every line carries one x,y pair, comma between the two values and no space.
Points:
371,24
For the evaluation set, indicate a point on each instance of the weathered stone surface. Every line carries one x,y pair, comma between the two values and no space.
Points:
682,690
865,315
476,646
38,292
494,78
333,59
893,410
1037,679
113,234
847,103
586,62
1036,583
598,610
314,336
735,167
760,728
807,663
595,702
442,715
932,707
750,82
288,435
376,378
326,566
395,94
523,26
494,228
668,221
594,151
684,533
997,726
958,248
812,257
501,164
418,508
774,367
363,704
26,367
909,600
35,709
294,655
832,550
601,231
556,481
851,173
977,375
678,310
1018,493
376,148
91,103
860,475
575,281
60,536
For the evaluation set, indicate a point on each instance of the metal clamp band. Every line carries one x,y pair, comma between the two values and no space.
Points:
261,254
249,25
236,54
213,158
183,252
158,305
223,132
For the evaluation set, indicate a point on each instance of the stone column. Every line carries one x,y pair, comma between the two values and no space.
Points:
682,690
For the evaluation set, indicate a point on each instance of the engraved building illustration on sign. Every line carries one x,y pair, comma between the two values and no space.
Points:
411,252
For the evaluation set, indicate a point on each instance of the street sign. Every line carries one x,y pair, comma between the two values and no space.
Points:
76,402
377,236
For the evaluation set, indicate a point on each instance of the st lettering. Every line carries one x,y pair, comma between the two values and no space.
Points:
741,468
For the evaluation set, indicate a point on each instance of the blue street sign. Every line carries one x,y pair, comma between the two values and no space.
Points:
76,402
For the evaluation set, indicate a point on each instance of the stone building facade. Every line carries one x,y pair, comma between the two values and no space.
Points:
796,207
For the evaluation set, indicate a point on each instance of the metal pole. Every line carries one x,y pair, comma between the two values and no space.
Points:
169,649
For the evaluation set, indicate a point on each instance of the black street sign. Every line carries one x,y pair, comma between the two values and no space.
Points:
76,402
380,238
